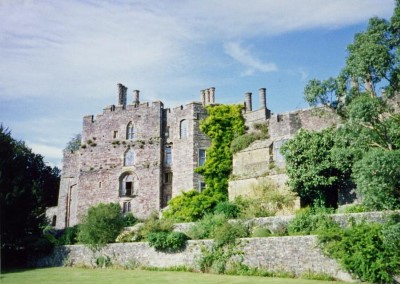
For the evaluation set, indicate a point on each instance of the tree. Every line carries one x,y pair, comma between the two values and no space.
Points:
27,187
312,169
75,143
373,58
377,176
101,225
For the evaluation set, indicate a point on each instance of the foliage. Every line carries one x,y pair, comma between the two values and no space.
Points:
228,232
265,200
74,144
153,224
243,141
69,236
373,58
205,228
101,225
129,220
312,170
377,176
352,208
366,250
260,232
229,209
190,206
28,186
311,221
223,124
103,261
167,241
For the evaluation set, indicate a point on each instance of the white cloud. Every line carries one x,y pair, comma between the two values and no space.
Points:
252,63
71,54
52,155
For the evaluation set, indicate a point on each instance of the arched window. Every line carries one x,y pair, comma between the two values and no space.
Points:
129,184
184,129
130,131
129,157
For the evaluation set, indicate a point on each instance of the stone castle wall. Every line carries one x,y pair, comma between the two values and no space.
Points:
146,133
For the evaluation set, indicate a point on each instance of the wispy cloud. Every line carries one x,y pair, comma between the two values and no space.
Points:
252,63
65,57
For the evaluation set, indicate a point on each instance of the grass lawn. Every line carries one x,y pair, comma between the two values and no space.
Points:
62,275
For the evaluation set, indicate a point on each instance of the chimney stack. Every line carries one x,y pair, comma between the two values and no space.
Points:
208,96
136,101
203,97
122,94
248,103
212,95
263,98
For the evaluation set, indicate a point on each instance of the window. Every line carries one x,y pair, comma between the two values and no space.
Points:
202,186
279,118
115,134
99,184
202,157
126,207
130,131
168,156
184,129
167,132
168,178
129,157
128,185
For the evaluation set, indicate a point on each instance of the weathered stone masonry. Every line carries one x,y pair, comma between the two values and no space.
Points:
139,155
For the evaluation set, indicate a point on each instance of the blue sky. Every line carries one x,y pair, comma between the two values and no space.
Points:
61,60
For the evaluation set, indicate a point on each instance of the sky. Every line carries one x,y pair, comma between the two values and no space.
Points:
61,60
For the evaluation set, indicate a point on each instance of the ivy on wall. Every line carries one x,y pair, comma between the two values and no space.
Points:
223,124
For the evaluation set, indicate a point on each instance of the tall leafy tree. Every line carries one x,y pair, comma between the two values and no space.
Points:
27,187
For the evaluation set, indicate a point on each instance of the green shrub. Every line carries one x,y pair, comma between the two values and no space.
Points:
205,228
377,176
229,209
260,232
265,200
310,221
243,141
229,232
363,250
352,208
167,241
103,261
190,206
155,225
101,225
129,220
69,236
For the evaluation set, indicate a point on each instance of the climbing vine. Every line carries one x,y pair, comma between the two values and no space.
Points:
223,124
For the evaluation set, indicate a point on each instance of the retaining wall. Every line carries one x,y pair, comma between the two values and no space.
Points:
294,254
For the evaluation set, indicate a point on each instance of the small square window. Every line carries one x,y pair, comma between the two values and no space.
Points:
168,178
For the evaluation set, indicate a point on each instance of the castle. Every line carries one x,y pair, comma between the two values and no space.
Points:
141,154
